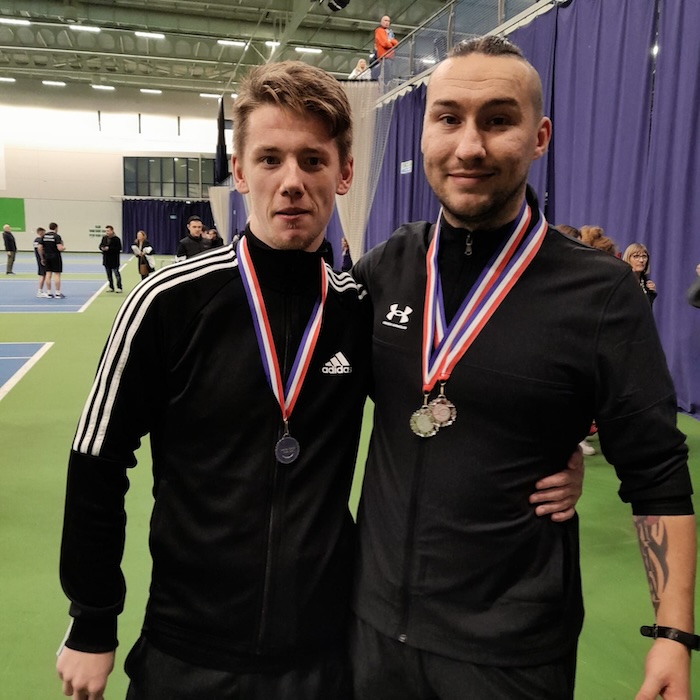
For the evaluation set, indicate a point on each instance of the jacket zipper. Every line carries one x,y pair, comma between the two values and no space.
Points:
409,549
272,519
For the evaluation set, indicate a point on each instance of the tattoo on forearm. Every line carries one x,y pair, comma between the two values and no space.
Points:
653,543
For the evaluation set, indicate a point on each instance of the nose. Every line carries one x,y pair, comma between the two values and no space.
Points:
292,183
471,142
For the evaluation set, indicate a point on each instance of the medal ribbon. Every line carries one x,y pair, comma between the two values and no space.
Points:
443,345
286,396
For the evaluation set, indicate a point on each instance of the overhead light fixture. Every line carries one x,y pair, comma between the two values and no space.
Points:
53,83
234,95
84,28
272,44
209,94
150,91
7,80
428,61
102,87
232,42
19,22
150,35
306,49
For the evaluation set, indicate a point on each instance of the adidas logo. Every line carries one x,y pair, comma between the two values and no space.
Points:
338,364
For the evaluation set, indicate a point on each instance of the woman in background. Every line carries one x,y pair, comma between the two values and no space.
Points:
637,257
143,251
360,72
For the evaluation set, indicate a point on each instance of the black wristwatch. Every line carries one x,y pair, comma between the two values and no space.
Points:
692,641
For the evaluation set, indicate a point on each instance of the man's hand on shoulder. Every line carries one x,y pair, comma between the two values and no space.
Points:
84,675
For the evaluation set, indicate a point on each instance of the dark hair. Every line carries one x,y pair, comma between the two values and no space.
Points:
571,231
303,90
43,230
53,227
492,45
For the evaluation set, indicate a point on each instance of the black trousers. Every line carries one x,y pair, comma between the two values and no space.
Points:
117,274
158,676
385,669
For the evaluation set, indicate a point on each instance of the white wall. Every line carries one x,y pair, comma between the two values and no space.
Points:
67,164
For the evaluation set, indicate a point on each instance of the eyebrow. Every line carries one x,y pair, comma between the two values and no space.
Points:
495,102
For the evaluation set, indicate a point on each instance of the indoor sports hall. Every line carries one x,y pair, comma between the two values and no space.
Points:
119,114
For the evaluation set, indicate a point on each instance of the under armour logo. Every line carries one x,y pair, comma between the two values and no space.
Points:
402,314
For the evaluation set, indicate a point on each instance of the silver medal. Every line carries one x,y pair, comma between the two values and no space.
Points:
423,422
444,412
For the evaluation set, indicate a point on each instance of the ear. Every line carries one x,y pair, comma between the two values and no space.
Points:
544,135
238,176
345,179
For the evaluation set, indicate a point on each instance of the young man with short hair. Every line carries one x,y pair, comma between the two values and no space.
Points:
111,247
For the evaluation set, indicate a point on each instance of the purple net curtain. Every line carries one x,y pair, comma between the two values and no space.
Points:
401,197
164,221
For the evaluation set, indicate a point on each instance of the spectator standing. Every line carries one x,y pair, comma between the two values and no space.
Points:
384,42
693,292
40,269
637,257
211,239
143,251
10,247
192,243
111,247
50,254
346,262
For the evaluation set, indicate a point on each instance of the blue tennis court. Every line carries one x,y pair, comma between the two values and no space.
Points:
16,359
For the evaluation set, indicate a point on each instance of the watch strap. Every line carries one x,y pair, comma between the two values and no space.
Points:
692,641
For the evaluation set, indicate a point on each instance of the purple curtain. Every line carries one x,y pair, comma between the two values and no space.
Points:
601,111
237,215
401,197
672,204
164,221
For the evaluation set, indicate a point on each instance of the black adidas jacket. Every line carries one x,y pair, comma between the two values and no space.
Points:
251,558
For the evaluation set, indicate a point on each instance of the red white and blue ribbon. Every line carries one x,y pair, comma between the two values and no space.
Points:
444,345
286,395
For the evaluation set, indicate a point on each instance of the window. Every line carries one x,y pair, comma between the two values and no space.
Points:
181,177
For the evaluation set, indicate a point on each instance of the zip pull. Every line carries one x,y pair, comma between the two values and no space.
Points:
468,246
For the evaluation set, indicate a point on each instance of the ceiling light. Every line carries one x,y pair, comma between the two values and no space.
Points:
7,80
234,95
428,61
84,28
102,87
272,44
53,83
304,49
9,20
209,94
149,91
150,35
231,42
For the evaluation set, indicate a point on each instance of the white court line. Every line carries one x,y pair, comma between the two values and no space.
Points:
86,305
14,379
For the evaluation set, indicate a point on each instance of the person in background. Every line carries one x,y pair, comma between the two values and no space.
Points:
637,257
111,247
384,42
50,256
40,269
693,292
192,243
10,247
346,262
360,71
594,237
496,342
570,231
211,239
143,251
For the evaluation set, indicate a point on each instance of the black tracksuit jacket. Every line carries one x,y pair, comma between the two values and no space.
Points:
252,559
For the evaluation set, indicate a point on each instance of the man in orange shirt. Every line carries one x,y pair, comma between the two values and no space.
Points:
384,41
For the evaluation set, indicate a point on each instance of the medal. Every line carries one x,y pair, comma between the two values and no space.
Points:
444,345
443,410
287,448
422,421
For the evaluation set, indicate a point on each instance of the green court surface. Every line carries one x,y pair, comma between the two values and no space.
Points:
38,417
